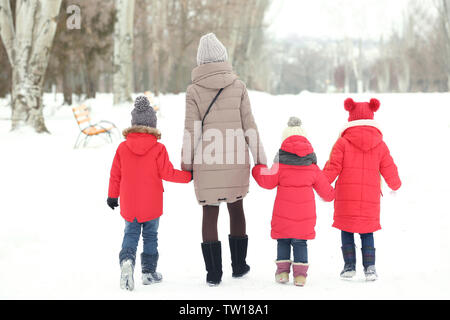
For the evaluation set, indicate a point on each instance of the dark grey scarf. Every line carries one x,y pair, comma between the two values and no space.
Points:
292,159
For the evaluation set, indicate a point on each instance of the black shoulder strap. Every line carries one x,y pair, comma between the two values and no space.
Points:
210,106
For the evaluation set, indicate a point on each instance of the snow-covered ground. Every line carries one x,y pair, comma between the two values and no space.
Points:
58,239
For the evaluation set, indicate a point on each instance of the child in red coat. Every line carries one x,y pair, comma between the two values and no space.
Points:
139,166
295,174
357,159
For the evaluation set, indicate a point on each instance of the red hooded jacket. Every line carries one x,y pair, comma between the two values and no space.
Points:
358,158
296,174
139,166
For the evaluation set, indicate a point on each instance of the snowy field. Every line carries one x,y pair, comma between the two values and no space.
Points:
59,240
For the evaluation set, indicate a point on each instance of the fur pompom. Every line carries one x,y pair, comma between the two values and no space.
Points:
294,122
374,105
349,104
142,104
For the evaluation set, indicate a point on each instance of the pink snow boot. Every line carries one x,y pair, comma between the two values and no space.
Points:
283,269
300,273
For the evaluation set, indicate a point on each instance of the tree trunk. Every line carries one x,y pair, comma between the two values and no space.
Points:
28,47
156,20
357,68
179,66
7,32
404,76
445,12
123,51
91,77
384,78
347,79
67,82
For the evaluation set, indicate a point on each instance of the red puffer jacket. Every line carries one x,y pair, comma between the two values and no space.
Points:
358,158
137,171
296,174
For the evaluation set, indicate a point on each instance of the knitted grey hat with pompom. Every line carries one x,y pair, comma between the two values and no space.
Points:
143,113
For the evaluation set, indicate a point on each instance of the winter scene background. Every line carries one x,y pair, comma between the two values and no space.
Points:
59,239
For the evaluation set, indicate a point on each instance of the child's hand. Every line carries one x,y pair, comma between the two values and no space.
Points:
112,202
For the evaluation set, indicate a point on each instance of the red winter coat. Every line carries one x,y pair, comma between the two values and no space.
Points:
358,158
140,165
296,174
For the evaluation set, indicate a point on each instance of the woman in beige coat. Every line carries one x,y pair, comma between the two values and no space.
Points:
219,131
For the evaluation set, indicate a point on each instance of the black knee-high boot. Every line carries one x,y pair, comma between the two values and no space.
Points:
238,250
212,253
368,254
349,254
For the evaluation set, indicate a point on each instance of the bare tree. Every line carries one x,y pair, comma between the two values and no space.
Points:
154,47
123,51
159,25
358,67
81,57
383,68
28,46
444,18
349,56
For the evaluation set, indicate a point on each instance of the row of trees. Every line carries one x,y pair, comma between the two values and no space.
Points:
126,46
414,58
122,46
167,34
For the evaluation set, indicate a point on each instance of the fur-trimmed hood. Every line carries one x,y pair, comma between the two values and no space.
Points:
142,129
140,139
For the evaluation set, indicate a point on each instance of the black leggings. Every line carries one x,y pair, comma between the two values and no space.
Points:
211,214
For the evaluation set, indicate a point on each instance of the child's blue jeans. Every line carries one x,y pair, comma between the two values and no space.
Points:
348,238
299,247
131,237
367,248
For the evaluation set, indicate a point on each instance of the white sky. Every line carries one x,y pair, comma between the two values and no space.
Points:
335,18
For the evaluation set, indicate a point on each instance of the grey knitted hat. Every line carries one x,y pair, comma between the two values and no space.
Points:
210,50
143,114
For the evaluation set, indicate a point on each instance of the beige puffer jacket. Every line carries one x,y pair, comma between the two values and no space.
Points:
221,170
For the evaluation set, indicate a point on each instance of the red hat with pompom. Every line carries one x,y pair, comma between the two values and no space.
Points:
361,110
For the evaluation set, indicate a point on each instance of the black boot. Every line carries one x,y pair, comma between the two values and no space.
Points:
212,253
368,254
149,263
238,249
349,254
